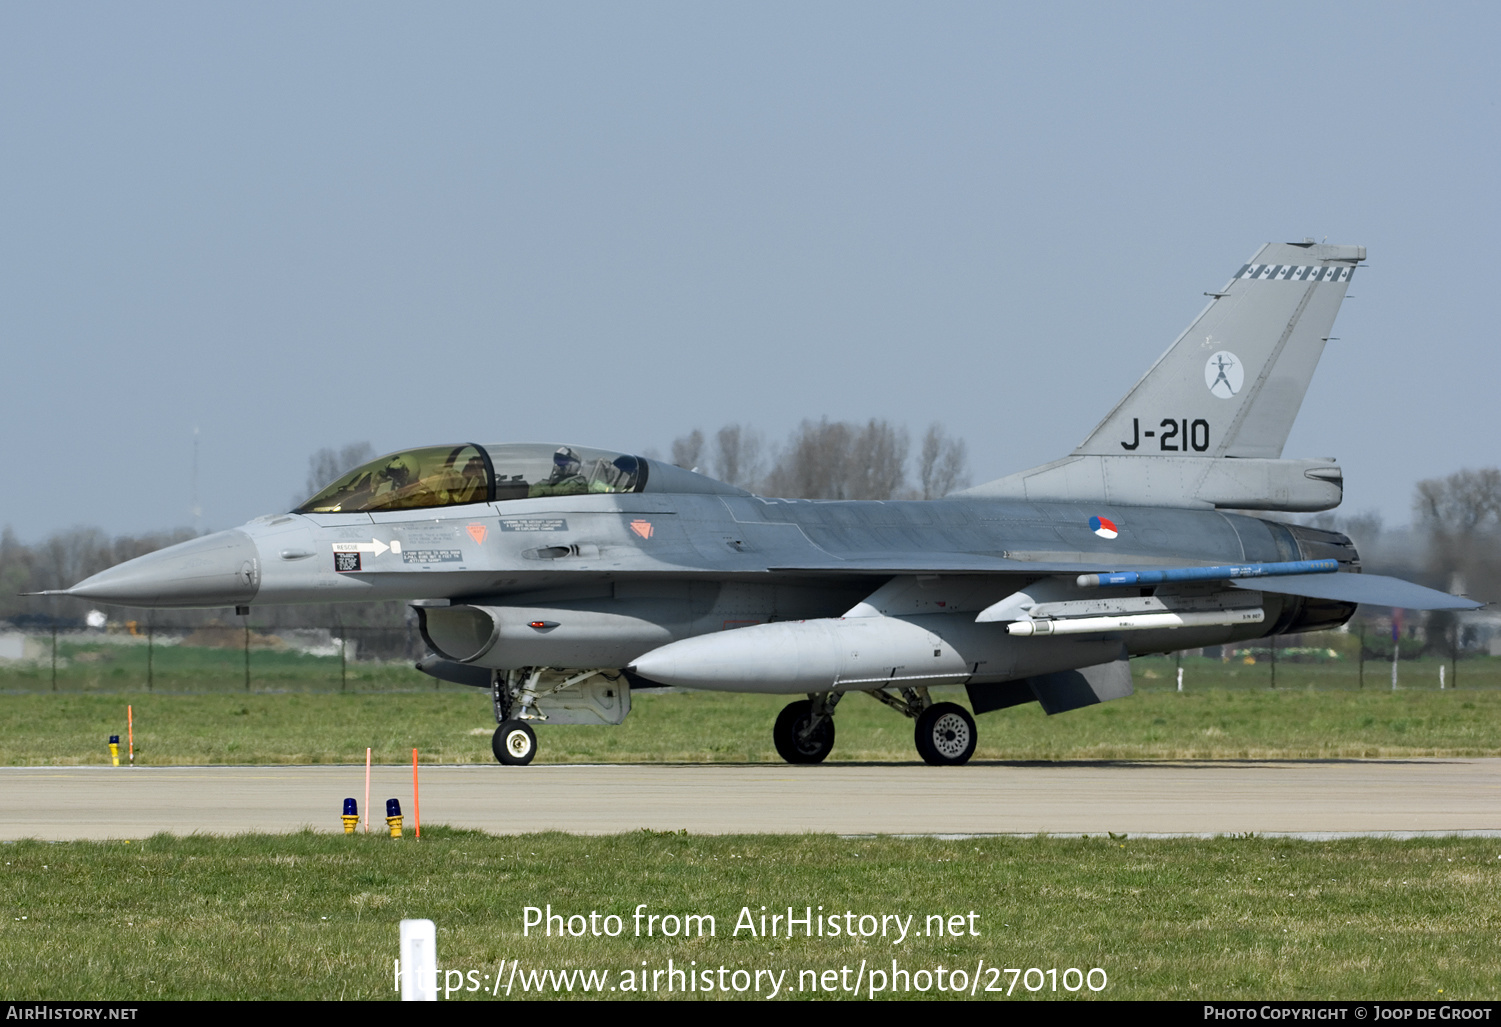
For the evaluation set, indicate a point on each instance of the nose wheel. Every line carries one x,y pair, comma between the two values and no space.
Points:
804,733
514,743
946,735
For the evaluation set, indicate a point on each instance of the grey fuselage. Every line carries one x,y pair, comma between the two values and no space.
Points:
597,580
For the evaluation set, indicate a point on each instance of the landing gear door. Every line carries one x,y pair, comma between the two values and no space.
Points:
597,700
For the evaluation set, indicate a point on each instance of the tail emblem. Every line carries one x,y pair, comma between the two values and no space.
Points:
1224,374
1103,527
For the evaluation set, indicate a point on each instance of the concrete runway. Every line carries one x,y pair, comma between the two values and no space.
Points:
1312,798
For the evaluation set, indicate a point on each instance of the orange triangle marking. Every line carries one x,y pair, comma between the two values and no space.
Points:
642,528
478,533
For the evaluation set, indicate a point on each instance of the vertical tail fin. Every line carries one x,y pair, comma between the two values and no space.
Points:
1232,383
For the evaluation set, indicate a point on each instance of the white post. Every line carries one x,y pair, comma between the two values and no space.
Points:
419,961
1180,679
1440,677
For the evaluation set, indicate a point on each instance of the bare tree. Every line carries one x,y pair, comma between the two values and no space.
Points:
15,569
1461,518
687,450
878,462
837,460
826,459
70,556
941,465
810,466
329,464
737,456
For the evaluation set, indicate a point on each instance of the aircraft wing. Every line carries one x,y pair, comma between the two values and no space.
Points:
1370,589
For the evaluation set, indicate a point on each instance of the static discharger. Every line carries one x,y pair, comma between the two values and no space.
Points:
393,817
351,816
114,749
1134,622
1221,573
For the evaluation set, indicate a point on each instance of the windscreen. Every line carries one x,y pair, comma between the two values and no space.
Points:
418,479
414,479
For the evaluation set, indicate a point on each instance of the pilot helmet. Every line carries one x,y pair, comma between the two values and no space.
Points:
565,461
401,470
625,469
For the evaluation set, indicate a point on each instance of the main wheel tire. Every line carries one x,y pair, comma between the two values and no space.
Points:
791,722
946,735
514,743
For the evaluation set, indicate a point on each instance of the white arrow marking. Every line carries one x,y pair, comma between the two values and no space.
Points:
374,546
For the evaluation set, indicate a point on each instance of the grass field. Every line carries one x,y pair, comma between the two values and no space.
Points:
454,726
315,916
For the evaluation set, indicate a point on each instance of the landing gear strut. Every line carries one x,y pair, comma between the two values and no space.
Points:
804,731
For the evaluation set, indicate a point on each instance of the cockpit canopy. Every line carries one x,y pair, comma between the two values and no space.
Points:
436,476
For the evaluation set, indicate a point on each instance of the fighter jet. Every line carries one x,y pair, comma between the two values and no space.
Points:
563,579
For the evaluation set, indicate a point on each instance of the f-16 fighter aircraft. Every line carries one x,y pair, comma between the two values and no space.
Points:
563,578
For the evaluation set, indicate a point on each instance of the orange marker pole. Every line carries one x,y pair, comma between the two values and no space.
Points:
130,733
416,809
367,790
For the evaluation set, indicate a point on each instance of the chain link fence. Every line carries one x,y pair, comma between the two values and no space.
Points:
215,657
228,657
1360,659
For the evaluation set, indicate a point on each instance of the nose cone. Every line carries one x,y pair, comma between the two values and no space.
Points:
222,569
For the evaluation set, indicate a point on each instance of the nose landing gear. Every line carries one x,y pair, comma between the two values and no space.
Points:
514,743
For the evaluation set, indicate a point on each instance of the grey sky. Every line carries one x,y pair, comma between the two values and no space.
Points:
304,225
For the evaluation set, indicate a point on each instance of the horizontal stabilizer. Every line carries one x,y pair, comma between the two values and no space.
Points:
1370,589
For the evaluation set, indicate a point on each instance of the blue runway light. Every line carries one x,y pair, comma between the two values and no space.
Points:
1222,573
351,815
393,817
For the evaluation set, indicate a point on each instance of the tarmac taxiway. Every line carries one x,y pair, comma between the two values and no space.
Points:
1296,797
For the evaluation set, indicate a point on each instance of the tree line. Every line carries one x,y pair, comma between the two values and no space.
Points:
826,459
1453,543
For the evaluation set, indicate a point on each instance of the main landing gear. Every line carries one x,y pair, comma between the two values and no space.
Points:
804,731
945,732
945,735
